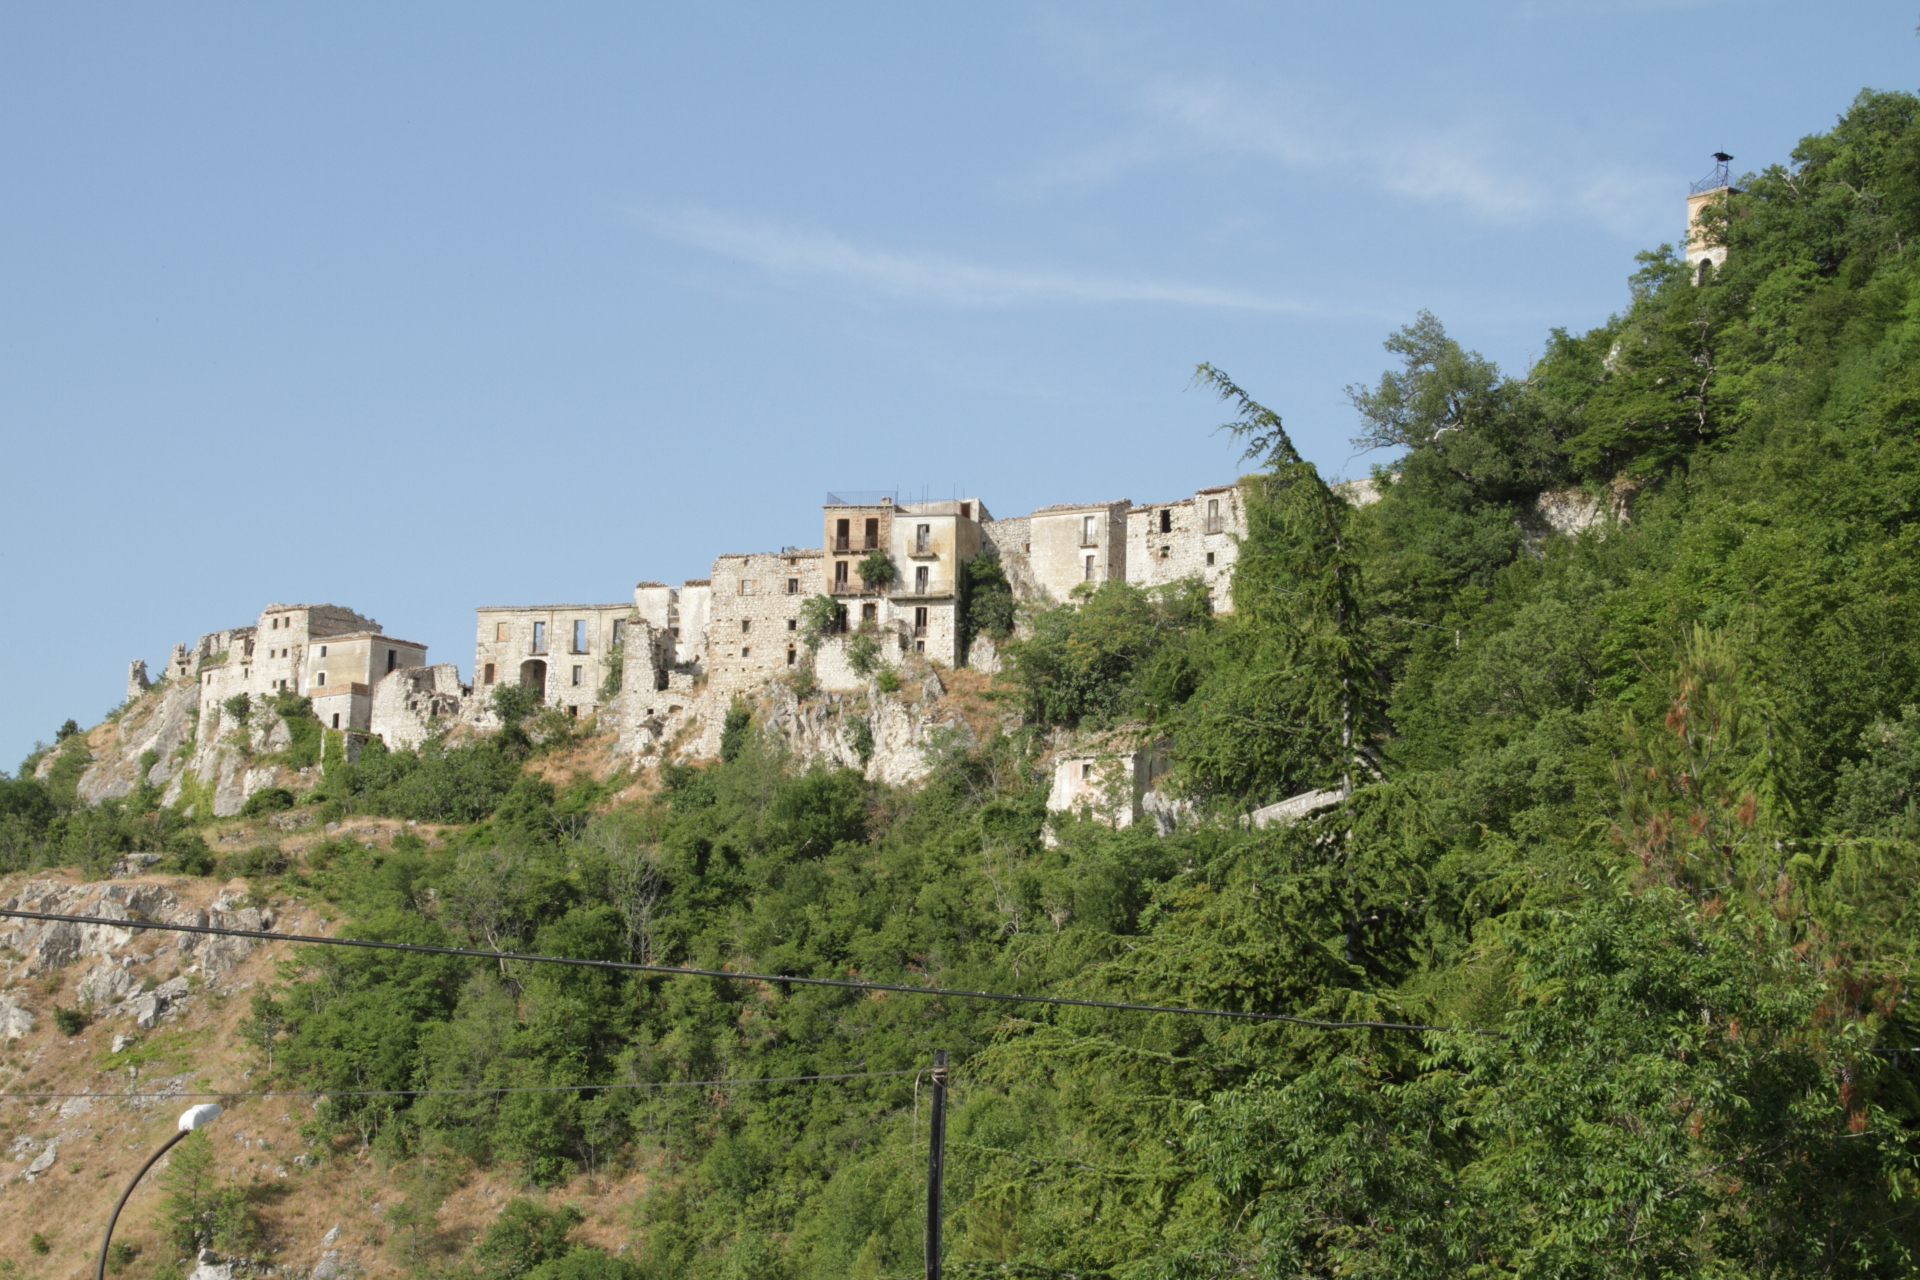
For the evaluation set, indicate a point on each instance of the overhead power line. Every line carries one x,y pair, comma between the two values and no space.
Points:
512,1088
852,984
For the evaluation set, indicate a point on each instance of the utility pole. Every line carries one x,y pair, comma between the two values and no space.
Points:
936,1160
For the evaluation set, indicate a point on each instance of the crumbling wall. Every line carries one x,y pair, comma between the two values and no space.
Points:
414,704
1191,545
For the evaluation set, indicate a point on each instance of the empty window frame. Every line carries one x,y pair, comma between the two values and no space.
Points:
539,637
489,676
793,586
922,539
619,632
840,575
1086,530
746,586
323,651
1089,574
840,535
869,613
320,677
1209,557
920,620
393,659
872,541
746,625
793,624
579,635
793,656
920,580
1166,520
336,719
966,511
576,676
745,650
1213,515
248,651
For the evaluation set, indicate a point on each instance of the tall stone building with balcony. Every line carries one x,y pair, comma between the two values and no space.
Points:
927,545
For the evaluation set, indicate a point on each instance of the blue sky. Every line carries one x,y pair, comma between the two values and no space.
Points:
420,307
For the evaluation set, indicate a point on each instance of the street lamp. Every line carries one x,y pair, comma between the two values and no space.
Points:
190,1119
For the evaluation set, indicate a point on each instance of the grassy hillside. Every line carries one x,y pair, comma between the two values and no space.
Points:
1634,826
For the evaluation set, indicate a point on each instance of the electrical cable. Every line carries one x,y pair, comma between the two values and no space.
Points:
416,1093
630,966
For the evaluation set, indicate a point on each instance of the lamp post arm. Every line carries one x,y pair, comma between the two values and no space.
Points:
100,1268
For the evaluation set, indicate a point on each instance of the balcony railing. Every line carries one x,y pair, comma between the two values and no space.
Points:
856,544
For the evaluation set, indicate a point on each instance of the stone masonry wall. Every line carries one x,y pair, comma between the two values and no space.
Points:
1156,556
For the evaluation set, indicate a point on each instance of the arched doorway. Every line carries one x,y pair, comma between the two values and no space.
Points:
533,678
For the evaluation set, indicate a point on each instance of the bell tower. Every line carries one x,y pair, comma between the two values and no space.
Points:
1703,195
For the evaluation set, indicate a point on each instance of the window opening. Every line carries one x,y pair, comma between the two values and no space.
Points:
576,677
323,651
746,625
249,649
320,677
793,586
920,580
744,650
619,632
869,613
579,635
336,719
792,655
1213,515
840,574
873,536
920,620
793,624
539,637
1166,521
1089,577
840,532
922,539
489,679
393,659
1086,531
1209,557
966,511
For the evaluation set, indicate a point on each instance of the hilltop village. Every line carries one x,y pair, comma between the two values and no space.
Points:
659,671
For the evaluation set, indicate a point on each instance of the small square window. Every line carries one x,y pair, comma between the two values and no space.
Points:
745,650
793,624
793,586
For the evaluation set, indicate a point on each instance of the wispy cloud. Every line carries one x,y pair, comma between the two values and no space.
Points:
785,250
1468,164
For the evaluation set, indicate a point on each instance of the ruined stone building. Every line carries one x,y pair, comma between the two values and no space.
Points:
321,651
1197,537
561,653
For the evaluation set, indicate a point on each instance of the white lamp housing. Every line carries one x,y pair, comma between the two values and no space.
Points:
195,1117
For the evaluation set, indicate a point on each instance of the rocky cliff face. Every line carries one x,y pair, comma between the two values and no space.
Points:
168,739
